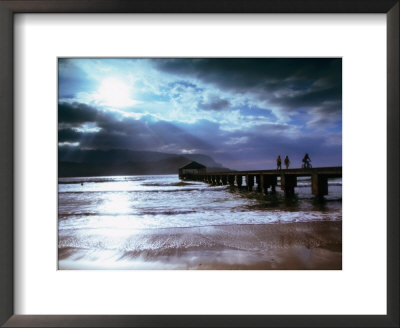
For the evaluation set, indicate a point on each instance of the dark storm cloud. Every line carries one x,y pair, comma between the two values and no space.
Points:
77,113
333,94
290,83
214,103
116,131
68,135
238,73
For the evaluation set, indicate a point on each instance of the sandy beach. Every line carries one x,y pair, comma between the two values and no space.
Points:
281,246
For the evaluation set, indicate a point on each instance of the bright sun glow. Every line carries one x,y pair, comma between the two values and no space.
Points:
115,93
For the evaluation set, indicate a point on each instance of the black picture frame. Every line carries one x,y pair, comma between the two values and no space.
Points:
10,7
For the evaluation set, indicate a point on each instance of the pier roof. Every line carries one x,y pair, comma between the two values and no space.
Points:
193,165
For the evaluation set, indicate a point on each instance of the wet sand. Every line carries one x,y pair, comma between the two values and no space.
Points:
282,246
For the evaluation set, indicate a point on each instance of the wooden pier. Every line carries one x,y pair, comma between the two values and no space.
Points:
266,180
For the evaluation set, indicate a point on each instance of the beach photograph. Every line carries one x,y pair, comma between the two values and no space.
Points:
199,163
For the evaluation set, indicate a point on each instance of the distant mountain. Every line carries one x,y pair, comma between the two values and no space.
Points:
126,162
66,154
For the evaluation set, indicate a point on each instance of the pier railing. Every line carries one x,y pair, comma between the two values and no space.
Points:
267,179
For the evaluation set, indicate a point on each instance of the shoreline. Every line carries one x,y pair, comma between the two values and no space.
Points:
314,245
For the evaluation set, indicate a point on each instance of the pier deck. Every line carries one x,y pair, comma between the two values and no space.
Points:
267,179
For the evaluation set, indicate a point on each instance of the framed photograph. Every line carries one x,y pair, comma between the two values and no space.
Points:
181,163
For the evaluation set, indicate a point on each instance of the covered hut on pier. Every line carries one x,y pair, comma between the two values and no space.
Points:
192,168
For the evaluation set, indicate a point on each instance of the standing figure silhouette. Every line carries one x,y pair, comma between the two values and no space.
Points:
287,162
279,163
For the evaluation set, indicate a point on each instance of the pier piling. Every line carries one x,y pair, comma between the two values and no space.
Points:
319,185
249,182
266,179
239,180
263,184
224,180
288,182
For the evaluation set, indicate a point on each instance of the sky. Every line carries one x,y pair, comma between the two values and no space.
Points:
243,112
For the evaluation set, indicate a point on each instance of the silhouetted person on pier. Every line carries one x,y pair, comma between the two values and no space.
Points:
279,163
306,161
287,162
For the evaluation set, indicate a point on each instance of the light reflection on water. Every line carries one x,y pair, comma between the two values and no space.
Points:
164,202
117,202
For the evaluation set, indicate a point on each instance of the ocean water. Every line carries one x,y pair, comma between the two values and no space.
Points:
142,221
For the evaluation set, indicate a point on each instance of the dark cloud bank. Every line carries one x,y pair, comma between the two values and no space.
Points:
312,80
121,145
